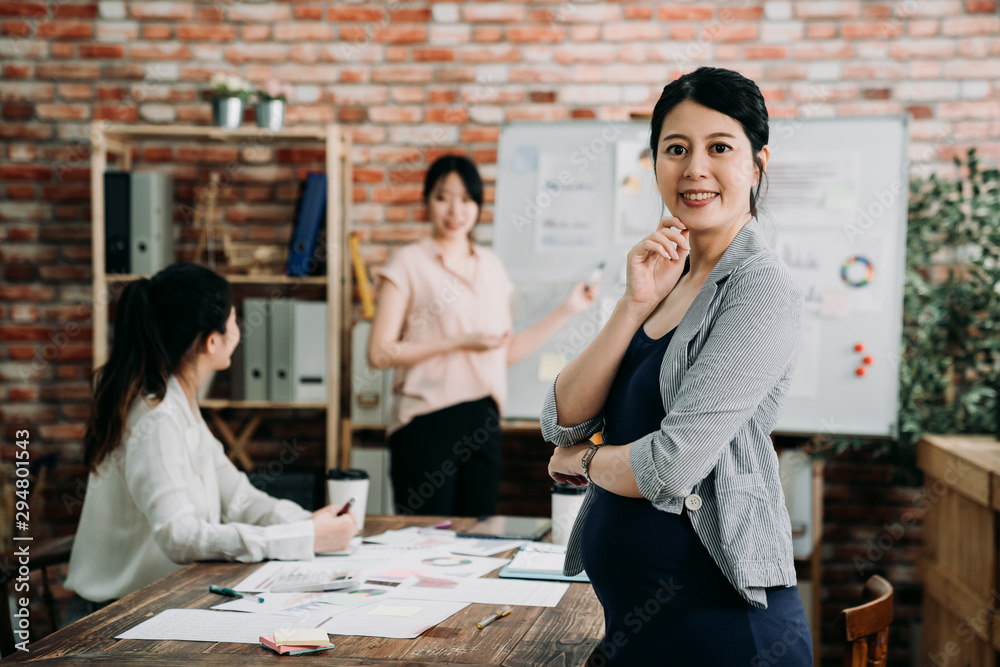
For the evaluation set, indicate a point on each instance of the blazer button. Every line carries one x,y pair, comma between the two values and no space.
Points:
693,502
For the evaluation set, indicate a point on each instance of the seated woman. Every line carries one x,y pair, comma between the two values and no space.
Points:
161,491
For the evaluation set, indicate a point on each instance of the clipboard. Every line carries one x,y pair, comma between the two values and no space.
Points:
509,528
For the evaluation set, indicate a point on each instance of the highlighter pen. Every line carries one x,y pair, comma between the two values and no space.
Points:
492,617
347,506
234,594
596,274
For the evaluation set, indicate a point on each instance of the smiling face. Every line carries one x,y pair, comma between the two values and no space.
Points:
705,167
452,210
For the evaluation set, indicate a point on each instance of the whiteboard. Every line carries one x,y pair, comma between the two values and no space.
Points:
572,195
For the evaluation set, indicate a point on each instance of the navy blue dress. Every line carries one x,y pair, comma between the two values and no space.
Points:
665,600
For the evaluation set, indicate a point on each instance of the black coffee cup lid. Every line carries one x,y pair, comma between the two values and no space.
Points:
568,489
349,474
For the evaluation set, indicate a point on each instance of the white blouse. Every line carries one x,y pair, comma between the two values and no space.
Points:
169,496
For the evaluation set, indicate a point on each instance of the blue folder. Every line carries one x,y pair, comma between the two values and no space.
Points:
308,222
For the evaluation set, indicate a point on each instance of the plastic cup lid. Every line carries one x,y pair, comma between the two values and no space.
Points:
346,474
568,489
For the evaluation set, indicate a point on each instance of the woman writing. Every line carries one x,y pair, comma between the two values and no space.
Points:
161,492
684,505
444,321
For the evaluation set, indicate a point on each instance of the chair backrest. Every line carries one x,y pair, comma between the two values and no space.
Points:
44,554
865,628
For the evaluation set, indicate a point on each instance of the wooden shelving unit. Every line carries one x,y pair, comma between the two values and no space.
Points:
236,280
113,143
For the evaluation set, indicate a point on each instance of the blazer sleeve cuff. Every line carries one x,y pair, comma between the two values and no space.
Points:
291,541
565,436
653,486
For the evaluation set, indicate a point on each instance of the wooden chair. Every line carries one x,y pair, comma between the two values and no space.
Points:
43,555
865,628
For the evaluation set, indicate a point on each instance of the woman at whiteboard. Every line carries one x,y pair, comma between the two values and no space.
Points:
161,491
683,530
444,323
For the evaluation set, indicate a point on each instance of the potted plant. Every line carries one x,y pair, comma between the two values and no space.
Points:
229,92
271,100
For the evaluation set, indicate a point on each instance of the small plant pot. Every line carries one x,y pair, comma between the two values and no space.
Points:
271,115
227,112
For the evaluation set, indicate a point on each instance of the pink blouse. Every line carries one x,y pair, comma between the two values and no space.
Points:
443,304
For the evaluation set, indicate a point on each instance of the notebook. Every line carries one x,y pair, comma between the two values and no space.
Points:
509,528
540,560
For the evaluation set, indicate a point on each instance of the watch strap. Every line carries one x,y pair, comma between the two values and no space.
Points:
585,461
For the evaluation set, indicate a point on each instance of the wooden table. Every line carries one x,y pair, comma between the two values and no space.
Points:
565,635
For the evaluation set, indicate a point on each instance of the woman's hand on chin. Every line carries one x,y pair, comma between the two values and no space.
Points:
656,263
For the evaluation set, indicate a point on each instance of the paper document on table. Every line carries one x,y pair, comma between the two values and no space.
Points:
495,591
414,537
267,574
539,558
325,602
484,546
205,625
400,619
437,564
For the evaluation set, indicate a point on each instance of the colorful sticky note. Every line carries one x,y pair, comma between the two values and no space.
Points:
835,303
839,197
301,637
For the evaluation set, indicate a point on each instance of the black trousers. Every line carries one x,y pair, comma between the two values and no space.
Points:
448,462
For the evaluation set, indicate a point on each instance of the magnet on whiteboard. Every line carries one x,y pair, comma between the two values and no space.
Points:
860,347
861,371
869,360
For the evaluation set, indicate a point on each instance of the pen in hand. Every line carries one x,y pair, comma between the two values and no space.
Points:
492,617
234,594
347,506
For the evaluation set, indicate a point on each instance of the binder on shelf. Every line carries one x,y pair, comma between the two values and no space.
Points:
280,357
309,219
256,366
117,214
152,212
309,367
367,384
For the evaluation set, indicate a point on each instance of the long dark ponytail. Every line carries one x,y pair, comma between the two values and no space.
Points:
159,323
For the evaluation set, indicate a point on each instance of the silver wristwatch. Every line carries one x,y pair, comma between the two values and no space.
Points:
585,461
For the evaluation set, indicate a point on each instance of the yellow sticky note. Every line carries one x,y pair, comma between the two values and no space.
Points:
387,610
301,637
550,365
839,196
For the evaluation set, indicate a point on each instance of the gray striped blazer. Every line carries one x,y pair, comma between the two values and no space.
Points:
723,379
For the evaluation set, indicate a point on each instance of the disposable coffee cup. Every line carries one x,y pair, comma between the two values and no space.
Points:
566,502
342,484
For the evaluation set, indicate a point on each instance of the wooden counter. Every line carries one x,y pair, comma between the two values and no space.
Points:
959,565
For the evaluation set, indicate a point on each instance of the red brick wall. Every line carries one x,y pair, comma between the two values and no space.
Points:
411,80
